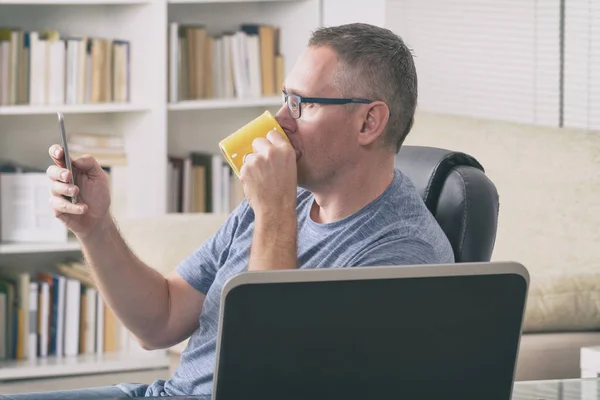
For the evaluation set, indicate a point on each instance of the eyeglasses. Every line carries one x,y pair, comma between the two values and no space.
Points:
294,102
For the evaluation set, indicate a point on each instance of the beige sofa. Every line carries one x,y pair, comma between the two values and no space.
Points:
562,315
549,184
563,310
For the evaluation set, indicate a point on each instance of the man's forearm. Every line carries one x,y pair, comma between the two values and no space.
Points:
138,294
274,241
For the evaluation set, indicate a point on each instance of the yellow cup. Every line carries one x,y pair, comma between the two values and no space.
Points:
235,146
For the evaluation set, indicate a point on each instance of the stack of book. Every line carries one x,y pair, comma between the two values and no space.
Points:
57,314
204,183
25,215
44,68
109,151
242,64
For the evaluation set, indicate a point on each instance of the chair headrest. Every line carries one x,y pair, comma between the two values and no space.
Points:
428,168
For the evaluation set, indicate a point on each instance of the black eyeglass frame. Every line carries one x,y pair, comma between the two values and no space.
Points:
319,100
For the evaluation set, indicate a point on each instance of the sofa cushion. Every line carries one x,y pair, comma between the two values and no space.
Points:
563,301
558,301
163,242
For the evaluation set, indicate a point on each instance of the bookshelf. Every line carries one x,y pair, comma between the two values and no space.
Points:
73,2
27,248
223,1
216,104
152,126
81,365
72,109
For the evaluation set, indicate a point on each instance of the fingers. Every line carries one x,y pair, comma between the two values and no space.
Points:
57,173
266,145
274,138
261,145
277,138
61,186
60,205
64,189
85,163
57,155
246,158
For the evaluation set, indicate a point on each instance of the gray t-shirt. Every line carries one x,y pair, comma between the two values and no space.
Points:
395,229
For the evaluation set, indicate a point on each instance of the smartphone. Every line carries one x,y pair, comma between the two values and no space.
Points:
67,159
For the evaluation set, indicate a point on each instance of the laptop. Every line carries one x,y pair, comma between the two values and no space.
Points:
446,331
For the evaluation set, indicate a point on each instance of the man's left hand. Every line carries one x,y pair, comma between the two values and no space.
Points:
269,175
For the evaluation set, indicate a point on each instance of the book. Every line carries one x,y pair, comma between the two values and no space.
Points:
44,317
72,315
32,328
24,212
20,293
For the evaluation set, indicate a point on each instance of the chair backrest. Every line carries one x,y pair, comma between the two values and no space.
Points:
461,197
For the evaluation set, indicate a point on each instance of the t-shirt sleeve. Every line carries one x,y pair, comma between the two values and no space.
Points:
200,267
402,251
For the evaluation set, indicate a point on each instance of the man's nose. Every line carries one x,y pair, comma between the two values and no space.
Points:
283,117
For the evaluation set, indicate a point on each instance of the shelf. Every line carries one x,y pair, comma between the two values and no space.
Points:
222,1
26,248
82,365
71,109
73,2
225,103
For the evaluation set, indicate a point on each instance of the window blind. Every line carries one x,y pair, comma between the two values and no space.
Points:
484,58
582,64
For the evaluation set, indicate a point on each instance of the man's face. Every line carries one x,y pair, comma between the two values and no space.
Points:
323,135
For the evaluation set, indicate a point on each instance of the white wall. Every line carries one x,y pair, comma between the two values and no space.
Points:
337,12
548,180
497,60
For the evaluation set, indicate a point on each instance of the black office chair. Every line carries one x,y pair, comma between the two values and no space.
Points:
461,197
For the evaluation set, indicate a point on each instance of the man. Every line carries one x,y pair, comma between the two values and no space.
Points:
331,198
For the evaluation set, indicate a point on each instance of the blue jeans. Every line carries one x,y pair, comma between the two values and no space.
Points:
102,392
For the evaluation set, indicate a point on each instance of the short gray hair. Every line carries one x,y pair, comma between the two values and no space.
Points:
375,64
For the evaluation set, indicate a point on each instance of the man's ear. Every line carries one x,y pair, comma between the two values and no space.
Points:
373,122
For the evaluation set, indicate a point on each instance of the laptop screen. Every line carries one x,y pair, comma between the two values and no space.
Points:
452,337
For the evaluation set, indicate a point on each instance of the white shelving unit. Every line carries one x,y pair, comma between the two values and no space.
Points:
72,2
224,104
72,109
26,132
223,1
200,125
141,122
28,248
82,365
153,128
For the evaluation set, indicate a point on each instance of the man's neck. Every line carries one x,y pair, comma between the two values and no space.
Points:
353,190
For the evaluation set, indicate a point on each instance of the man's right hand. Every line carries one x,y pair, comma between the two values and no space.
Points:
161,311
91,188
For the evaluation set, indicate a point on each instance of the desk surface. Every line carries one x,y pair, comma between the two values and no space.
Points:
590,361
570,389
